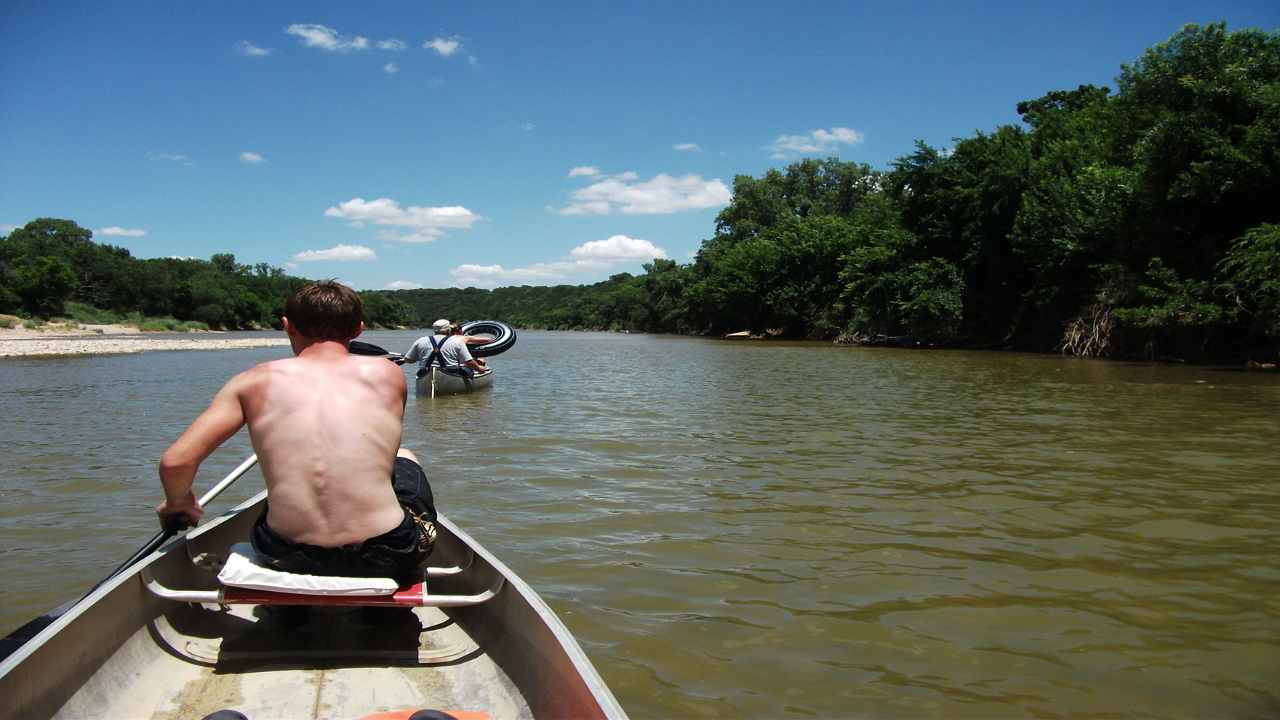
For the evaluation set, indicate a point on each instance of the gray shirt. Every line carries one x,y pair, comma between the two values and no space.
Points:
453,350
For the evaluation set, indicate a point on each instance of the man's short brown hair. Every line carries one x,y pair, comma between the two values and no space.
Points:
325,310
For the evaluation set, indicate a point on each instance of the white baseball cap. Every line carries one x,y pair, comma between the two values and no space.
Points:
441,325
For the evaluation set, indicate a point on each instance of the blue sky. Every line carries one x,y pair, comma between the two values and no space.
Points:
431,144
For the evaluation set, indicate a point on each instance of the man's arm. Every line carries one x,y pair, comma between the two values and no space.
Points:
400,386
464,354
178,465
476,340
415,352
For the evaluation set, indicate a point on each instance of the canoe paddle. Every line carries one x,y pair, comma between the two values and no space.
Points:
172,529
357,347
14,640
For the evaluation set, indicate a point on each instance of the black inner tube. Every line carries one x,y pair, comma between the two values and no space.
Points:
503,337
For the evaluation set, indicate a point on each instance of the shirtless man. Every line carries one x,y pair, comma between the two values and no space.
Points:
344,498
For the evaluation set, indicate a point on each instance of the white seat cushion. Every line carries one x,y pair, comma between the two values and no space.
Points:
241,571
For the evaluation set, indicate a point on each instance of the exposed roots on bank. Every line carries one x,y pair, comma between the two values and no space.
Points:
1090,333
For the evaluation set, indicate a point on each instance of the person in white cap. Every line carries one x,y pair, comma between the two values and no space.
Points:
445,349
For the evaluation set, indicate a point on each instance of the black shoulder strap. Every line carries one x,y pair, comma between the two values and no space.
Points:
435,358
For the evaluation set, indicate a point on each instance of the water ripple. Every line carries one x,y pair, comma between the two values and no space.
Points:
911,534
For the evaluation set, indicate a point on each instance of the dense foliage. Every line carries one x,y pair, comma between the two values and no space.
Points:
1140,221
1144,222
49,263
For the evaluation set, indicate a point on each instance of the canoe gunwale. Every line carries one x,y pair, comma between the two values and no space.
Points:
599,690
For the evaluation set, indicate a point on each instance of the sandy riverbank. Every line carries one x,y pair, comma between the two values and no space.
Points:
54,341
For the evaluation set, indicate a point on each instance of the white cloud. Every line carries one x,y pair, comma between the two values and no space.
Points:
391,68
171,157
618,248
686,147
446,47
528,127
325,38
250,50
584,171
337,253
594,256
116,231
421,224
251,158
494,275
413,237
817,141
402,285
6,229
392,44
661,195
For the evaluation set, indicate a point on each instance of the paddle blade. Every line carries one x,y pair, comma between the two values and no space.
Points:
358,347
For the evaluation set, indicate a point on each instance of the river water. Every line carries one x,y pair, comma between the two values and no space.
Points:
774,529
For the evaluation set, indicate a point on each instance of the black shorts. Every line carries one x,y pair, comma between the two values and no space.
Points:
400,553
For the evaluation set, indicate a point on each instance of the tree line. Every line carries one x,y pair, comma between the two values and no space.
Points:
1136,222
52,267
1141,221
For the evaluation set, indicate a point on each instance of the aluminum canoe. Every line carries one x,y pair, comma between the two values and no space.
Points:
126,652
447,384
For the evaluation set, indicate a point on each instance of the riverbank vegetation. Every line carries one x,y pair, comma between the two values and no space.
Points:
1141,221
52,269
1136,221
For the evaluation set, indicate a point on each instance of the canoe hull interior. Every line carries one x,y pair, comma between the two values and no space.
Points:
446,384
123,652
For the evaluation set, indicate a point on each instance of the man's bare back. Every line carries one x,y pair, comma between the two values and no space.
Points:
326,426
326,430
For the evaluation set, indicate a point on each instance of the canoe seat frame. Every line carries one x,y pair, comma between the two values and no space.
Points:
415,595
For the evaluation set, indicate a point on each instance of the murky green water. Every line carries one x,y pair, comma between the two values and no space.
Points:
774,530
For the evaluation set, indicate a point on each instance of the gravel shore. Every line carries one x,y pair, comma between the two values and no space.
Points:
116,340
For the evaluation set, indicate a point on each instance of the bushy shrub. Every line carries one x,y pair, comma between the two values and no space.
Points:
90,315
169,324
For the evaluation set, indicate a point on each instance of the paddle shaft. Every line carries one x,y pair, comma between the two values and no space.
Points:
162,536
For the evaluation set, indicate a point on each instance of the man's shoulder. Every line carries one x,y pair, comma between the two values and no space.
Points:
375,366
271,366
263,371
248,383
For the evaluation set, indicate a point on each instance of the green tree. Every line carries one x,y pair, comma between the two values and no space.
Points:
961,206
892,290
1200,115
384,310
1250,278
225,263
44,284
